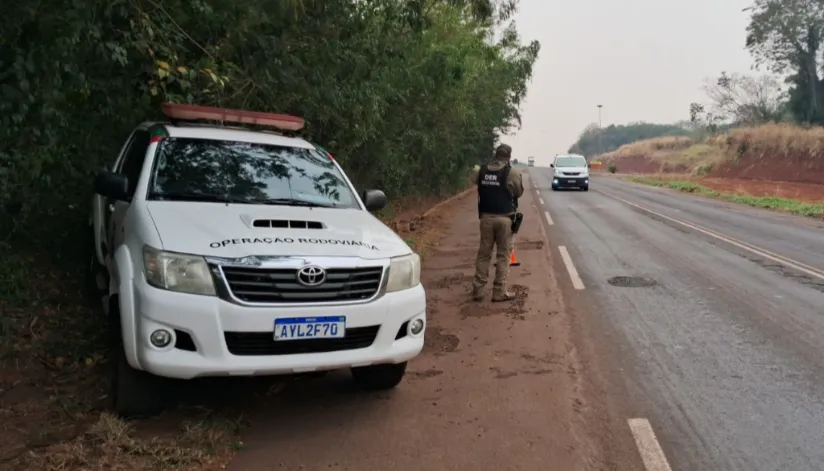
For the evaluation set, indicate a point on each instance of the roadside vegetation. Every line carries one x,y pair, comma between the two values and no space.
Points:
407,95
815,210
748,151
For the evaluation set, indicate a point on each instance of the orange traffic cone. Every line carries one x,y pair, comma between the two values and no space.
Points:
513,262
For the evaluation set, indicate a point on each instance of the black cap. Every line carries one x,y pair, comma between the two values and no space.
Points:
503,151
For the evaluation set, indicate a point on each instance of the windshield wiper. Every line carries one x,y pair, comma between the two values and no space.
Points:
294,202
183,196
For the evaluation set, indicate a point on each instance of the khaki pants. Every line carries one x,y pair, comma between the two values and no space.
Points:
495,231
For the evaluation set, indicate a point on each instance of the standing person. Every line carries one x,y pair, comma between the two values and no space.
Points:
499,187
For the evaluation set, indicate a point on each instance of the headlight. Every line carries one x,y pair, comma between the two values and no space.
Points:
177,272
404,273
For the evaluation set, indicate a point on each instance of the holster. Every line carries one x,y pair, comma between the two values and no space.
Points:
517,220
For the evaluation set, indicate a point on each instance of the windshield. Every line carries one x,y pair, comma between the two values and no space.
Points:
189,169
570,162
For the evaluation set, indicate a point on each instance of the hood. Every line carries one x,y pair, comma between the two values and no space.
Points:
231,230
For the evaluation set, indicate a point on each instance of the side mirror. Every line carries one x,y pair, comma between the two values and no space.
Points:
374,200
552,165
112,186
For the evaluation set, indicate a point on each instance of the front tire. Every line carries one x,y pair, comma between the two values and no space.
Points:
133,393
585,188
379,377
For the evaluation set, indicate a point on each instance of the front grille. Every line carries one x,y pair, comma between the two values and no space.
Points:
263,343
276,285
572,174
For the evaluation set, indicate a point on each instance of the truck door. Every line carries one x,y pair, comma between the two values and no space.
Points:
101,208
131,168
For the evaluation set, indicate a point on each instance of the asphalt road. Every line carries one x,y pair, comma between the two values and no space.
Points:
722,353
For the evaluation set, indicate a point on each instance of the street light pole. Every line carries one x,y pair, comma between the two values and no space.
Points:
600,130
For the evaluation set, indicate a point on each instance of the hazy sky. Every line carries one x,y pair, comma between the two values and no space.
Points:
644,60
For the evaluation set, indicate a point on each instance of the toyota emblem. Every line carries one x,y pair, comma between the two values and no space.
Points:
311,275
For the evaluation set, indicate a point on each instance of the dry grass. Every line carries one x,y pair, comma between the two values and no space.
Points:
672,153
684,155
658,147
53,387
772,140
113,444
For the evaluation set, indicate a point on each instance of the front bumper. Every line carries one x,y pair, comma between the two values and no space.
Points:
204,327
570,182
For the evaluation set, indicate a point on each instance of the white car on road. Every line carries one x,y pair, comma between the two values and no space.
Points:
570,171
230,251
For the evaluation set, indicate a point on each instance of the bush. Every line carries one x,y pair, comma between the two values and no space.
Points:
406,99
612,169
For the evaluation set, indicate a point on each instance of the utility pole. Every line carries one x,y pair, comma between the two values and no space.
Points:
600,131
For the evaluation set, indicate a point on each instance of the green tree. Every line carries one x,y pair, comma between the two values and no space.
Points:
786,36
407,94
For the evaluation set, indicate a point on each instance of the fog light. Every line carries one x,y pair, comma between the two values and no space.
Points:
555,181
161,338
416,327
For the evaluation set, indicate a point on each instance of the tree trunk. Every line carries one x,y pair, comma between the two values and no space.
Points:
810,64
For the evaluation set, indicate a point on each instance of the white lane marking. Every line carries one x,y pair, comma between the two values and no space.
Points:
548,218
541,200
788,262
537,193
577,283
651,452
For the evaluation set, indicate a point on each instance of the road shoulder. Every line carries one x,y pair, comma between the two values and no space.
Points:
498,386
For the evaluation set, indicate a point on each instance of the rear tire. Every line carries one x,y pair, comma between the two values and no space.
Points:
379,377
133,393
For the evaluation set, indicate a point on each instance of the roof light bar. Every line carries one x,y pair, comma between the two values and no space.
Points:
184,112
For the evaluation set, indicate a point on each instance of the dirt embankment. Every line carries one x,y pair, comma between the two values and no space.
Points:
774,153
770,160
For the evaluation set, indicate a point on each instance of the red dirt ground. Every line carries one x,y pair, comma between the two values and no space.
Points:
797,168
796,176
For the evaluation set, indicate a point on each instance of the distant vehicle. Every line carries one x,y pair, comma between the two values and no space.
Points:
531,161
515,161
570,171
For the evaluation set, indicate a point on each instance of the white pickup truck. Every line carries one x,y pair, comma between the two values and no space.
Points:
227,250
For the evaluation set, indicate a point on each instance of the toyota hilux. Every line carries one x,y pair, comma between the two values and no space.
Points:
225,245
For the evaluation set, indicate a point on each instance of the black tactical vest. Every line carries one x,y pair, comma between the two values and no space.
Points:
493,194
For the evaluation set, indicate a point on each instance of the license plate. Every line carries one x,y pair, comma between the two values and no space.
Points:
305,328
570,181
